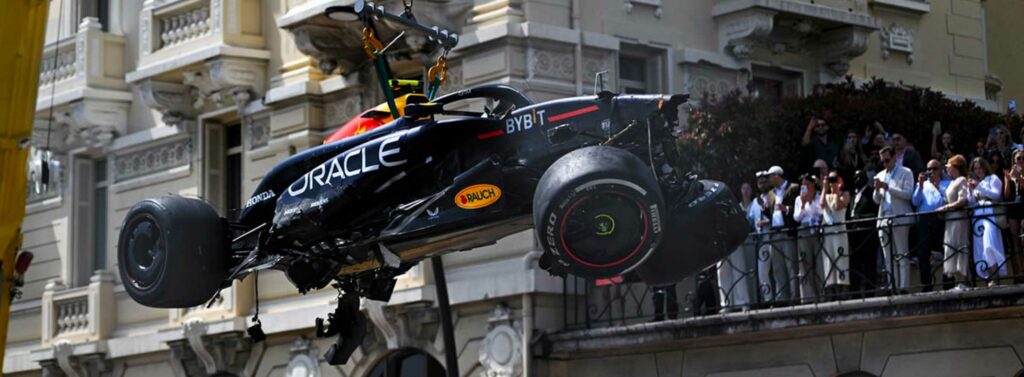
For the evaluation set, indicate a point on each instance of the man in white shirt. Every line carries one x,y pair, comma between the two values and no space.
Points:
894,187
784,271
807,211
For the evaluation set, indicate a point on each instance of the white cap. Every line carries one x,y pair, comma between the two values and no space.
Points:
775,170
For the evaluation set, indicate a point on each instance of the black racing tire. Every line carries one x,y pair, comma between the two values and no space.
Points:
172,252
596,212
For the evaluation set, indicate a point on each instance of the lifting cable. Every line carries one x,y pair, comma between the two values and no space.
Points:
375,50
44,164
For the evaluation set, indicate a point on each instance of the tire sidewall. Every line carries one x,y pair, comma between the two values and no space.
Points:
550,222
192,265
140,211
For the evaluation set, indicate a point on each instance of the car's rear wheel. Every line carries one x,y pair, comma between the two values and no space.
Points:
172,252
597,212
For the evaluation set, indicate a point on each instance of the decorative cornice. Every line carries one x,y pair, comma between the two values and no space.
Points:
257,131
739,32
332,47
838,46
501,350
745,24
345,107
897,38
554,64
203,354
65,362
392,334
173,101
151,160
303,361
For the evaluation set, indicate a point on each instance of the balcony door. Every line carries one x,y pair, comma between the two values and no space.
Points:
222,154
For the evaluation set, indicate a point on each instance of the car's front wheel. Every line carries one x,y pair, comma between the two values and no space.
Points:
172,252
597,212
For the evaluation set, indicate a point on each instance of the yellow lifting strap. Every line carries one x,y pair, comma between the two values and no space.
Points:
371,44
439,70
437,74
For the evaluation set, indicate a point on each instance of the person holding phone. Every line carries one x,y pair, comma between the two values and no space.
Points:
986,189
1000,144
863,236
783,254
807,211
1013,191
851,157
816,143
929,195
894,187
835,259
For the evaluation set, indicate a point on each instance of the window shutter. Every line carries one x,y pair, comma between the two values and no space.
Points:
79,263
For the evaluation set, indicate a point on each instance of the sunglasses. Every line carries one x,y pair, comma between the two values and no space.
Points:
1019,158
935,168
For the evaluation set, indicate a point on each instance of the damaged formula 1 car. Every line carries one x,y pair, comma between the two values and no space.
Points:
595,176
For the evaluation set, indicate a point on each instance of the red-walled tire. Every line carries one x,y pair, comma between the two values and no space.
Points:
172,252
597,212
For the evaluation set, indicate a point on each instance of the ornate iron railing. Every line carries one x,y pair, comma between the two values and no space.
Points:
814,264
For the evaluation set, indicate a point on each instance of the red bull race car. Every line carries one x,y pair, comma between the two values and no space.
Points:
596,177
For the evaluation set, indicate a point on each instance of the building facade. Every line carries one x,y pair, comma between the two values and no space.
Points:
201,97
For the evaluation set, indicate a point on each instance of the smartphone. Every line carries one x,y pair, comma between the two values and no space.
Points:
937,128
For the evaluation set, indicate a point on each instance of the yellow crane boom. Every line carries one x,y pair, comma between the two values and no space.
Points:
22,32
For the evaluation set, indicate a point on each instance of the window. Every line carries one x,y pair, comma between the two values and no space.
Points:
99,259
89,233
96,8
233,173
407,362
640,72
774,84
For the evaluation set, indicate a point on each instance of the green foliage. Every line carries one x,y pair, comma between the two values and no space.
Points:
738,135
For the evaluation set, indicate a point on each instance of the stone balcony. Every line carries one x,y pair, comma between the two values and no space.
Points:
911,6
334,44
78,315
232,302
198,55
833,31
82,80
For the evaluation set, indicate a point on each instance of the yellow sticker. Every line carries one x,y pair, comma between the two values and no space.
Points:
477,196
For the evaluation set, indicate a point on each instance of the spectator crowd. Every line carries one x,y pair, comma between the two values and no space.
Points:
867,208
